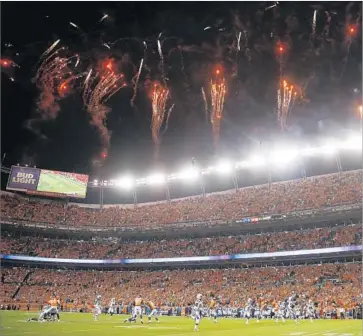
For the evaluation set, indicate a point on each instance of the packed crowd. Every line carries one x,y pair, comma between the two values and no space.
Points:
112,248
325,283
11,279
312,193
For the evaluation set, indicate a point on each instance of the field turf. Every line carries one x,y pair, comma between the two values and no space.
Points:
60,184
13,324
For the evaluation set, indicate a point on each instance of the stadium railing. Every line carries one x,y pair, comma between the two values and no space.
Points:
267,258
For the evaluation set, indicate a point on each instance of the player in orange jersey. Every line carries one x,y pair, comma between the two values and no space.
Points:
213,308
137,311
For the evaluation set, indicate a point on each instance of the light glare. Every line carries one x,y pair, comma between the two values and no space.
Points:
283,156
224,167
255,161
125,182
156,179
189,174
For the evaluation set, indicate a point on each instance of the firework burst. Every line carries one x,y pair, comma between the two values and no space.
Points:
159,96
280,52
217,93
286,97
99,86
54,80
136,82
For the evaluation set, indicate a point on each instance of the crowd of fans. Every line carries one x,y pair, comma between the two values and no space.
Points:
324,283
312,193
113,248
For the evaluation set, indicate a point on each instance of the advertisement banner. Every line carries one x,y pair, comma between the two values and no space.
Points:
47,183
129,261
23,178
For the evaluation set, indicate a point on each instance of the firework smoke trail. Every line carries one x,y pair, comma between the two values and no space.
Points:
77,62
247,50
98,89
280,53
137,82
238,41
286,97
217,92
145,56
104,17
74,25
238,50
272,6
161,60
351,34
181,61
167,118
50,49
86,81
52,79
327,24
313,26
159,98
205,104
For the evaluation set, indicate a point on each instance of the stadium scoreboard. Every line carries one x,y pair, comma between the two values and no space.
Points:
47,182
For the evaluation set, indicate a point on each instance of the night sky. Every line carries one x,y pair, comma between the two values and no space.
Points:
327,66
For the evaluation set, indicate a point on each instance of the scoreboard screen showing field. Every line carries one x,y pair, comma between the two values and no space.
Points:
47,182
70,184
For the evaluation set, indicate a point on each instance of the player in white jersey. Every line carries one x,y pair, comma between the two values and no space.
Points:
52,308
310,311
46,314
248,310
257,312
97,310
291,303
281,311
112,306
197,311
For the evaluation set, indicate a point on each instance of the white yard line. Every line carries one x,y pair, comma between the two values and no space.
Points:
306,333
81,330
146,327
21,333
331,331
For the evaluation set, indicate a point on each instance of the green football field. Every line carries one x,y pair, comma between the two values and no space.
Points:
60,184
13,324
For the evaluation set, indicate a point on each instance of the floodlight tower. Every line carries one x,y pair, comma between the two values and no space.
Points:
134,194
101,193
167,191
235,180
302,167
201,183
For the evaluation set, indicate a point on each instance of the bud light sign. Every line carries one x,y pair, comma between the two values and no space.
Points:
23,178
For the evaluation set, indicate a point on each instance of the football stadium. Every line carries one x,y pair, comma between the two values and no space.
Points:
181,169
295,271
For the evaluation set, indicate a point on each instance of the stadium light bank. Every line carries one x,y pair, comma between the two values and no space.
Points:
278,157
